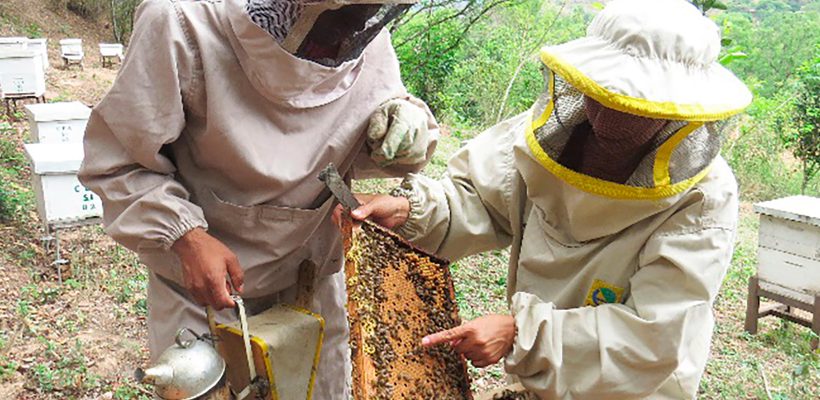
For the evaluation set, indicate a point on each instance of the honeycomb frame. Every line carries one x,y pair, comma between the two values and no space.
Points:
398,294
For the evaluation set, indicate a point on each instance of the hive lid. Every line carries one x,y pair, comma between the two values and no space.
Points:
45,112
13,39
19,53
55,158
805,209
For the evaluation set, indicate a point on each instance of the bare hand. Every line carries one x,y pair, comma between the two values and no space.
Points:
387,211
483,340
206,265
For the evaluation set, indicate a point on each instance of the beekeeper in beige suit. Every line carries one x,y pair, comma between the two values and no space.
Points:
207,148
618,209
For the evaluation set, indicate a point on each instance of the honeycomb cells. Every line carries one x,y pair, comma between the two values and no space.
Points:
398,294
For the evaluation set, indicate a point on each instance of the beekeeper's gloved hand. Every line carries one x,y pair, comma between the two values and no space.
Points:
398,133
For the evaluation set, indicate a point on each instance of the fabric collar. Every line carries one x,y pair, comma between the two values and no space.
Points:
280,76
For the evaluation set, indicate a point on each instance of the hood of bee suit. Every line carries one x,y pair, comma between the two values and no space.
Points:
327,32
259,29
648,58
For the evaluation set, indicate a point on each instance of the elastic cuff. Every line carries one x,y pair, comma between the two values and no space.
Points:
180,230
411,226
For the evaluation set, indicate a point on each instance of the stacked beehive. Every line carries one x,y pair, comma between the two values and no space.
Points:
22,73
398,294
56,153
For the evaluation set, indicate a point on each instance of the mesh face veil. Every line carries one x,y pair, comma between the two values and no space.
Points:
676,157
328,32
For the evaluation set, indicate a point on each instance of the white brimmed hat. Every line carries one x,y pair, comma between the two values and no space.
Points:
655,58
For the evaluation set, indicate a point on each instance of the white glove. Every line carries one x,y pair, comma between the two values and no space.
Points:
398,134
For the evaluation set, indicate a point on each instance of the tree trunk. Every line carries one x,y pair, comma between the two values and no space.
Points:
117,35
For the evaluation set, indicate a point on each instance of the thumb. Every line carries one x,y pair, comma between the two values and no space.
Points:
377,127
362,212
447,336
236,274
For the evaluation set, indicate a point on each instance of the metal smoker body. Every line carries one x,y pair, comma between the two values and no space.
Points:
282,344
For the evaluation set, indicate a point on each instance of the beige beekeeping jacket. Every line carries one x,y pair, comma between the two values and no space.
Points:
211,123
612,298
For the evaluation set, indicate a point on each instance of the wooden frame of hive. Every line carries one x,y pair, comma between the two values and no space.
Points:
397,294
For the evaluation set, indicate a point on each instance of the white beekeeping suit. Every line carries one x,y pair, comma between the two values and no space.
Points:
212,123
612,275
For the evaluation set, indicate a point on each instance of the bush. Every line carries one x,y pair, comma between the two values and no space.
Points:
119,12
91,9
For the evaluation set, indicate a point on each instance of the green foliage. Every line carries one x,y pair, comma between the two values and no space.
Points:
90,9
706,5
128,393
801,134
13,198
33,30
119,12
64,370
471,79
775,45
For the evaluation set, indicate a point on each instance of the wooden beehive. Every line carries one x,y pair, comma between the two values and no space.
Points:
72,50
111,50
789,247
40,46
61,199
57,122
22,74
398,294
13,43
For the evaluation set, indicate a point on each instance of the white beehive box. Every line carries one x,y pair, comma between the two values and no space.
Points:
57,122
72,49
40,46
111,50
21,73
13,43
61,199
789,246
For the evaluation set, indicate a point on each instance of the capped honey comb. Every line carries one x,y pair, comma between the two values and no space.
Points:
397,294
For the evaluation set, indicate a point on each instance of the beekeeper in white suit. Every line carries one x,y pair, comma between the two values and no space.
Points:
207,148
619,212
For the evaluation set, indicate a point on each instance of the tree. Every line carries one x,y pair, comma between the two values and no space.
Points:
802,135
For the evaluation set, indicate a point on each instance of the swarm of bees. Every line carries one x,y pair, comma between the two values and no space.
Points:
398,294
514,395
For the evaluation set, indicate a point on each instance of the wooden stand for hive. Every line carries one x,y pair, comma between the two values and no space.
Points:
414,372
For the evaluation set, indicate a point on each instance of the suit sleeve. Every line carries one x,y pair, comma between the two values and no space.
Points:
126,161
468,211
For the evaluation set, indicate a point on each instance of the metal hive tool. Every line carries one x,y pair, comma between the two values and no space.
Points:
397,294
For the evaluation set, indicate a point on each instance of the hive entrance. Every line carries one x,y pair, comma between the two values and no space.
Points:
396,295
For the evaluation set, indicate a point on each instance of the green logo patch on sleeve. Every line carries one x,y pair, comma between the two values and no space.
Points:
603,293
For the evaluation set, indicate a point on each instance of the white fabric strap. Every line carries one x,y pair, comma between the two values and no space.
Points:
243,321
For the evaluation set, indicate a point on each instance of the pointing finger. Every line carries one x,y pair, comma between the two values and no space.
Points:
444,336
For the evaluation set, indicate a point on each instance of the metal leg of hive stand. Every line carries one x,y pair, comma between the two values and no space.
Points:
58,260
752,305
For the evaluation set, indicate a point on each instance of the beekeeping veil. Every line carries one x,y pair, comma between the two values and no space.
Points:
328,32
648,58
